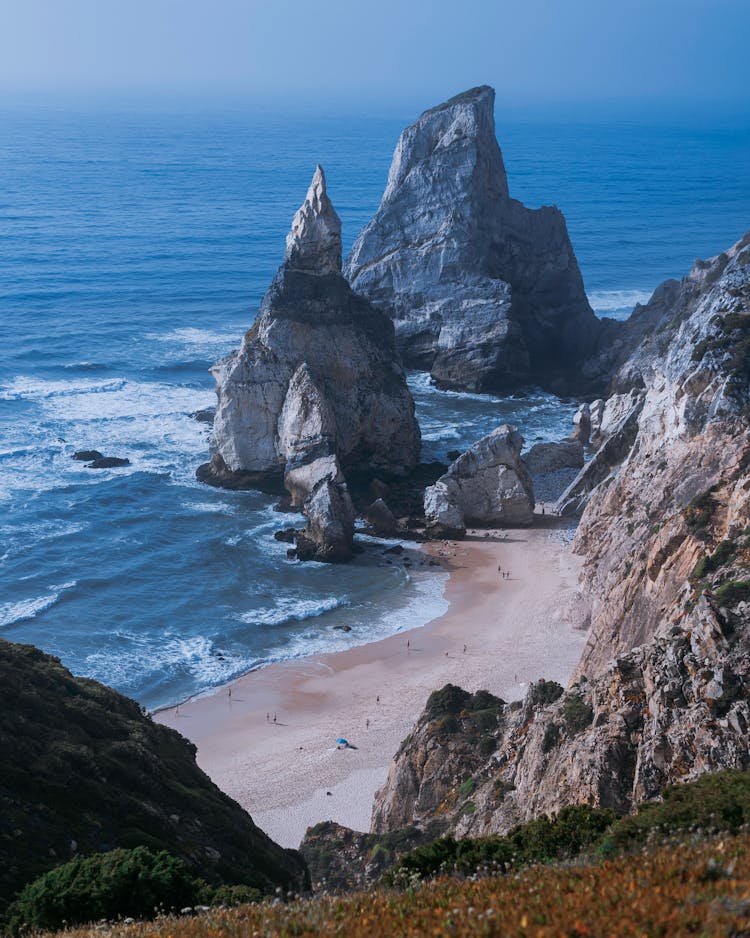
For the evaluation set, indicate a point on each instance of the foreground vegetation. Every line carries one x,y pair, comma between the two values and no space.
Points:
678,867
688,889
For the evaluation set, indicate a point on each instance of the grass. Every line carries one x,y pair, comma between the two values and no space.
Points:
692,888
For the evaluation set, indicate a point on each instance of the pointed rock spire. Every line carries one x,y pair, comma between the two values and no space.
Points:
314,240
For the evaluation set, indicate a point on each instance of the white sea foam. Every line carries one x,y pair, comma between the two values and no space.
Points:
290,609
196,343
617,304
24,609
147,422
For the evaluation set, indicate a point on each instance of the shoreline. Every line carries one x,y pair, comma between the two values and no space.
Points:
268,739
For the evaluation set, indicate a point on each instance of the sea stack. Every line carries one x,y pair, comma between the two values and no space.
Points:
316,387
484,292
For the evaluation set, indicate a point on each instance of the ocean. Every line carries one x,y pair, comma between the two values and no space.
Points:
135,246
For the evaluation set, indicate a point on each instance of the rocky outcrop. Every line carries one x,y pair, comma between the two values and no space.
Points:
484,292
83,770
488,484
316,389
662,692
551,457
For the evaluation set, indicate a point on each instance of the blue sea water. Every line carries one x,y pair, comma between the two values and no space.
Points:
134,249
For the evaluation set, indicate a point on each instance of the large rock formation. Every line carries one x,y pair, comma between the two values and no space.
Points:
662,692
316,387
484,292
488,484
83,770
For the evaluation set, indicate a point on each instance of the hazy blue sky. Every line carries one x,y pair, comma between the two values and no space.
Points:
388,51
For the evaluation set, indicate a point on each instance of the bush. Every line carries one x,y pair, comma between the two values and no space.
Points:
716,802
544,692
448,700
734,592
539,841
577,714
551,736
107,885
708,564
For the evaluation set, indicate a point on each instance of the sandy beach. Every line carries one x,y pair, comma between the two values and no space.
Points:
269,739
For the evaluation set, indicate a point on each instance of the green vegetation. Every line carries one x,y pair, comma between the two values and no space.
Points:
723,554
540,841
734,592
83,771
699,513
544,693
689,889
717,802
713,803
577,714
551,737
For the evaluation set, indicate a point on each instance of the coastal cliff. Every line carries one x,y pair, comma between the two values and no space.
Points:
662,691
83,770
484,292
316,388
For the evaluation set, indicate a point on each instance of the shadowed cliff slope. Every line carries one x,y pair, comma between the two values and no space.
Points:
83,770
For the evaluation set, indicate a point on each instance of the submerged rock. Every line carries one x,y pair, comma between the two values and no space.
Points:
488,484
108,462
316,388
484,292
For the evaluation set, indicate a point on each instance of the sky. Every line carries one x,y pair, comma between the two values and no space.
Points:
360,52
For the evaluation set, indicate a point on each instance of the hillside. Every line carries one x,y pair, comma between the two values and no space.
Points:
83,770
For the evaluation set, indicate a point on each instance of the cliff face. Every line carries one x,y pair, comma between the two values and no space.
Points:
662,692
483,291
315,389
350,398
82,771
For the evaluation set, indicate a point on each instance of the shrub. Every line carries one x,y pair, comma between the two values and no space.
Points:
487,745
448,700
551,736
106,885
577,714
540,841
734,592
719,801
708,564
544,692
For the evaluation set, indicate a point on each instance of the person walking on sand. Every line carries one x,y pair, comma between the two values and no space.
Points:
464,649
274,718
268,718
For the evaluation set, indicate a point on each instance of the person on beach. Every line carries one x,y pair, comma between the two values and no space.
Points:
274,718
268,718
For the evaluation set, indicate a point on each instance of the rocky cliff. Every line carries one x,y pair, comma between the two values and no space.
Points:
316,387
83,770
484,292
662,692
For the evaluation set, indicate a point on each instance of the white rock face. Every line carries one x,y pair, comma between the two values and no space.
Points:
483,291
317,386
488,484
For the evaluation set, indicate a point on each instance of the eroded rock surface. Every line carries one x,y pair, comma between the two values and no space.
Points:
662,692
488,484
484,292
316,388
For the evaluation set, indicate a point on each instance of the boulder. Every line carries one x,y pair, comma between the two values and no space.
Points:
108,462
86,455
487,485
381,518
551,457
484,292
